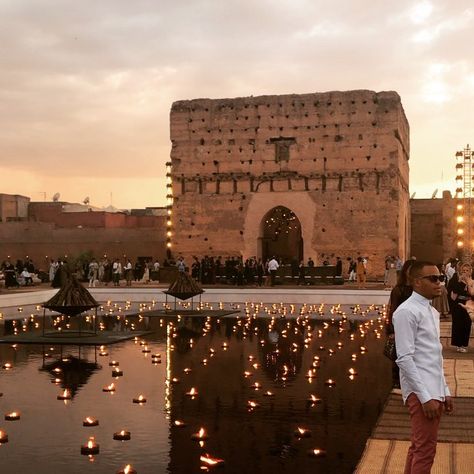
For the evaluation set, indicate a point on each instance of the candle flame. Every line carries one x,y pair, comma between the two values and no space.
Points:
127,469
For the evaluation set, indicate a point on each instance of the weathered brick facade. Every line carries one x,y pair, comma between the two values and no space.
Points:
337,160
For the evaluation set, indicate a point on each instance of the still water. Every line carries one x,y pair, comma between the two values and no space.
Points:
231,363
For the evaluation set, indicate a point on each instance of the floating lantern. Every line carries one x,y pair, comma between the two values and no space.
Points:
128,469
310,374
268,394
313,399
174,380
317,453
7,366
187,370
352,371
330,383
113,363
146,350
122,435
252,404
209,461
103,353
201,435
56,381
192,393
302,433
140,399
117,372
90,448
247,374
13,416
109,388
89,421
256,386
179,423
65,395
3,437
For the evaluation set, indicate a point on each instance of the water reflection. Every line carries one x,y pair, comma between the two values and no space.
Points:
231,363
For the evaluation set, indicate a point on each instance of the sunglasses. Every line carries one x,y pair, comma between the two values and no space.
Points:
434,278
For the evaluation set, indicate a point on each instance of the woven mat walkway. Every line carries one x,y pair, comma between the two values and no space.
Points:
385,451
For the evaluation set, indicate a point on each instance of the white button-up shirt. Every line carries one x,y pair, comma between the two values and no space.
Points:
419,350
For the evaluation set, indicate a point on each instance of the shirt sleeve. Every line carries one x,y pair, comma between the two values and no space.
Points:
406,325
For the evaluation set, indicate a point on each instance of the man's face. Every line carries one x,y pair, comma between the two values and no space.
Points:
424,285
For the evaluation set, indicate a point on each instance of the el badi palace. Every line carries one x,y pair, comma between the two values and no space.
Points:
315,175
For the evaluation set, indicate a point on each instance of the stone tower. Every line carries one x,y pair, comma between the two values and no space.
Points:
315,175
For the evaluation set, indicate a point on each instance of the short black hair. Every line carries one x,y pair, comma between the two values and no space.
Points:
417,266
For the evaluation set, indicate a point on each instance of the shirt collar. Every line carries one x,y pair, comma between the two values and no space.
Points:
421,299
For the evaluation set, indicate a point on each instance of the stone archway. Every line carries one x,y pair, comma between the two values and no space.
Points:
280,235
261,203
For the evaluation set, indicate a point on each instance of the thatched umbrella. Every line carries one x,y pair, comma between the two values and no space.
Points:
72,299
184,287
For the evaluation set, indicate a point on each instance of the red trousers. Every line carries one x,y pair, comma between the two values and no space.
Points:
424,436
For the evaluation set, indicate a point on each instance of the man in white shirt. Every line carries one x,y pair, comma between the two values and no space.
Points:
419,351
272,267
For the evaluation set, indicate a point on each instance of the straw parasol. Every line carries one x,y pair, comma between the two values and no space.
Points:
71,300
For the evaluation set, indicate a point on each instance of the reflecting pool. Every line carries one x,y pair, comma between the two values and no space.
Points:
249,384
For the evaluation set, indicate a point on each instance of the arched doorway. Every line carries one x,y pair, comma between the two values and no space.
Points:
280,235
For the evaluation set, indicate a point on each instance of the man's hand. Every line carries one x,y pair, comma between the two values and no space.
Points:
431,409
448,405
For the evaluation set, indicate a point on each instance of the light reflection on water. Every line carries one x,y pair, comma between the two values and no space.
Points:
49,435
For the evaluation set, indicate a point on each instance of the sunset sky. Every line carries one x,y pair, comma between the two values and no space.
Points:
86,86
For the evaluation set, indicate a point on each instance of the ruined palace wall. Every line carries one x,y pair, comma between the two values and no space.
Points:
343,154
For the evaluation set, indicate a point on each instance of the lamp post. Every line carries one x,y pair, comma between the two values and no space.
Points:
464,191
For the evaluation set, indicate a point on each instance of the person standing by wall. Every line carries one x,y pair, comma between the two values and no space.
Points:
361,273
420,359
272,269
460,293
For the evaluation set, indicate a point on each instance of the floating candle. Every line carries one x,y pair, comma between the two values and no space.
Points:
201,435
109,388
139,399
113,363
330,382
302,433
317,453
122,435
352,371
89,421
3,437
268,394
90,448
13,416
192,393
117,372
7,366
65,395
313,399
179,423
146,350
252,404
128,469
209,461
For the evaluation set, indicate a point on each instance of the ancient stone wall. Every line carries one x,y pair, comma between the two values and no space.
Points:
339,160
433,228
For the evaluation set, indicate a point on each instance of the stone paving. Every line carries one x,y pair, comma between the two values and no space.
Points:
385,451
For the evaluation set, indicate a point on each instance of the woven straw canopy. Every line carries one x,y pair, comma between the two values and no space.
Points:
184,287
72,299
